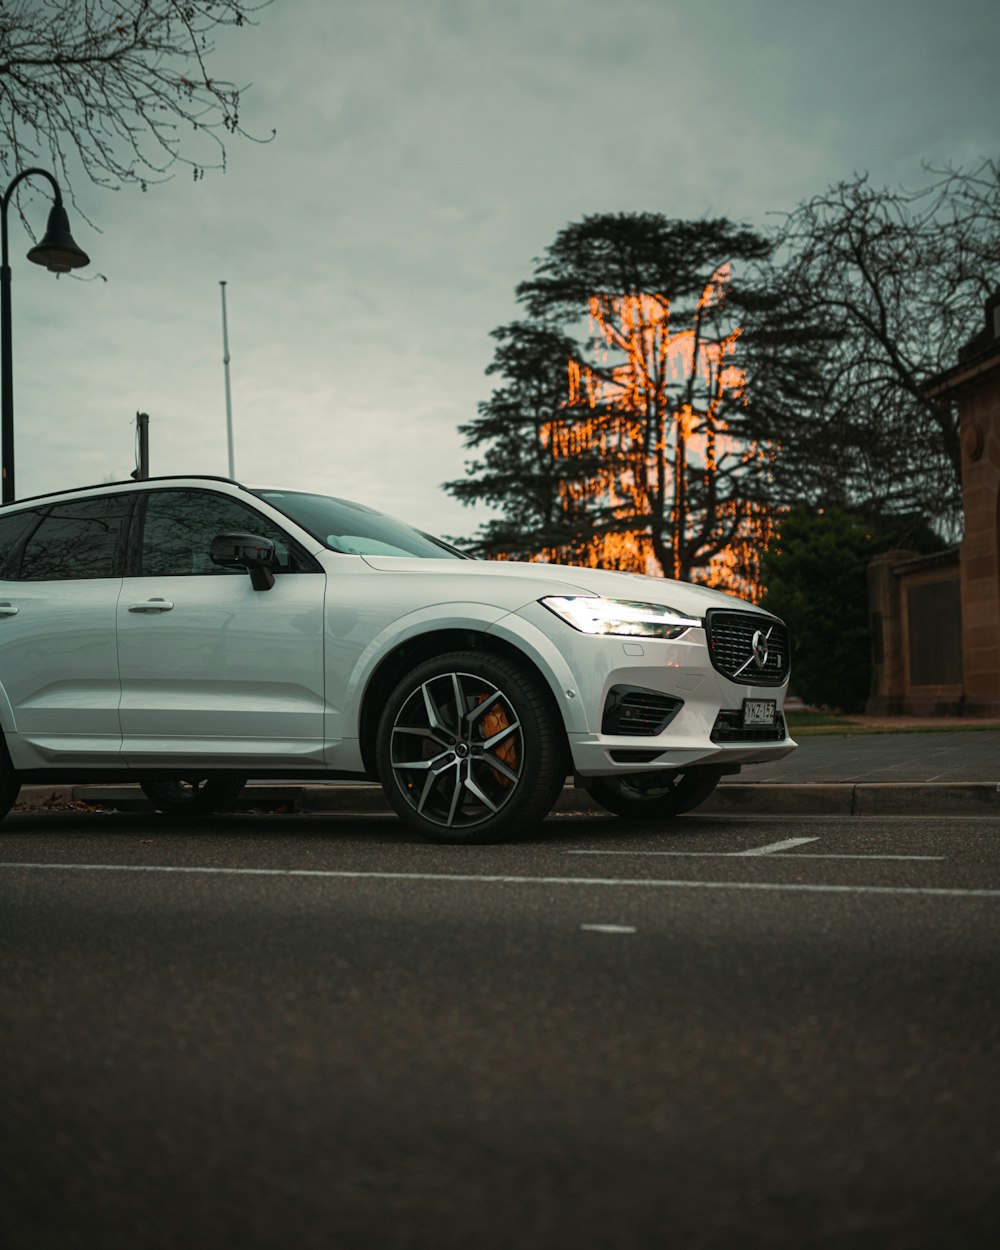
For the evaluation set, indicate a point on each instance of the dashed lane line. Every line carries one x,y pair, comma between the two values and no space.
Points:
608,928
773,847
505,879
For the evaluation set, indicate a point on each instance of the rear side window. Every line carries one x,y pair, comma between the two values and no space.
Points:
83,538
179,527
12,529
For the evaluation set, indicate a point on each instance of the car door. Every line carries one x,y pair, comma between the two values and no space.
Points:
61,569
213,672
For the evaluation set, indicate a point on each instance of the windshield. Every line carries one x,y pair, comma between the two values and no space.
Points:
354,528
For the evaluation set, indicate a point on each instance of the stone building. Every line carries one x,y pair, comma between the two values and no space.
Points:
936,619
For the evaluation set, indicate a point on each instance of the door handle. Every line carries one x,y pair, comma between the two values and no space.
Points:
8,609
149,605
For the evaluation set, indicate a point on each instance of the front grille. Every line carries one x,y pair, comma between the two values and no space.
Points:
748,648
728,727
637,713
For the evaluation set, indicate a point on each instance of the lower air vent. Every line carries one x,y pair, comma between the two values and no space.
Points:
634,756
636,713
728,727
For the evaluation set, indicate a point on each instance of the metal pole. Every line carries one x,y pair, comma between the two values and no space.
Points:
229,395
142,428
6,367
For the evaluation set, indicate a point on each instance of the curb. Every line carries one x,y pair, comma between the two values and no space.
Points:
838,799
890,798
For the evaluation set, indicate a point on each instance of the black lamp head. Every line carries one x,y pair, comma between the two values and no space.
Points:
57,251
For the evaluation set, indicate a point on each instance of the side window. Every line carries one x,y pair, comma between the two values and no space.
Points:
83,538
180,525
12,529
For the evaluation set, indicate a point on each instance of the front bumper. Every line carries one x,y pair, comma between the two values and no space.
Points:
596,755
680,668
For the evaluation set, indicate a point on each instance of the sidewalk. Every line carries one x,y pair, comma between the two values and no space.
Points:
902,766
952,769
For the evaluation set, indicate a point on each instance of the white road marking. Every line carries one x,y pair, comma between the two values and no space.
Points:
675,854
831,855
496,879
608,928
743,854
773,847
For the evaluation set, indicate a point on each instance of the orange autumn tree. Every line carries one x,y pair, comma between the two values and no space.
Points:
667,497
639,458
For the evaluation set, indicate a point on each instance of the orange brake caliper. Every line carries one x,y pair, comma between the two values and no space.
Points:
494,722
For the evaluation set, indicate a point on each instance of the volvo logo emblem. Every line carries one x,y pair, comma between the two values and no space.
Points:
760,652
758,647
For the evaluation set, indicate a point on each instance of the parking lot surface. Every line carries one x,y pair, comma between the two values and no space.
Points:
313,1031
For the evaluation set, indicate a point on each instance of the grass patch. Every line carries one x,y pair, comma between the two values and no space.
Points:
807,719
805,723
809,723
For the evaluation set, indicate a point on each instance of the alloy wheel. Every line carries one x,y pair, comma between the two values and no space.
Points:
457,750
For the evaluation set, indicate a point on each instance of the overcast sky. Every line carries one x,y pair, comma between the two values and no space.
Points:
426,152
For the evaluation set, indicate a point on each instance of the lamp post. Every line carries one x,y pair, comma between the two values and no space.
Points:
59,254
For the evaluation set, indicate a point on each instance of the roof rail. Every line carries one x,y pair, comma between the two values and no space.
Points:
131,482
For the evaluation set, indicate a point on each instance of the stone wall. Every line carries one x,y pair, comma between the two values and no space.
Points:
915,611
979,409
919,607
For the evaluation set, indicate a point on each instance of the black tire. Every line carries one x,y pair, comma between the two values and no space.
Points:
10,783
469,750
10,788
654,795
192,796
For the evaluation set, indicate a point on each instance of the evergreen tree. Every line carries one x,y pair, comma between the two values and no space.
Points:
816,580
621,435
519,470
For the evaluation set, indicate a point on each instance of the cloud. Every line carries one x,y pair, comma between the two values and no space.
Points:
425,154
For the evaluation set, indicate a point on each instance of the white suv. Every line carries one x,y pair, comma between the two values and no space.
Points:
190,633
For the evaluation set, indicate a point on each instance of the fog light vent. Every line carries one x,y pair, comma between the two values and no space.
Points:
634,712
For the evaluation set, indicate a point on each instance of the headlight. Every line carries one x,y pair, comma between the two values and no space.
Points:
591,615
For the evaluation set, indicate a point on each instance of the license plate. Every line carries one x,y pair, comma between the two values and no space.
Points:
759,712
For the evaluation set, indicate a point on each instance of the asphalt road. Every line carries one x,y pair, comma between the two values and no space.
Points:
294,1032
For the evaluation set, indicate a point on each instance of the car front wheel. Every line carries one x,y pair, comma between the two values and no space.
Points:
192,796
469,750
655,795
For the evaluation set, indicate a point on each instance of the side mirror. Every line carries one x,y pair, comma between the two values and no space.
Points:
245,551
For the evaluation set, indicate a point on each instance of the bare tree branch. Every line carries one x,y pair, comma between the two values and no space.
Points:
118,89
899,277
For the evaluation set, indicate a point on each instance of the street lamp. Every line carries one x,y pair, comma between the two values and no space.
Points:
59,254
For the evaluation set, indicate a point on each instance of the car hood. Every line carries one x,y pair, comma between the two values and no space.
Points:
563,579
